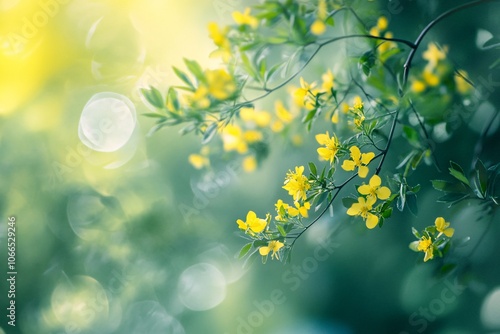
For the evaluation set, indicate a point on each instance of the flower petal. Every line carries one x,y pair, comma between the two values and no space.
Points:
375,181
251,216
355,153
371,221
363,171
354,210
264,250
364,189
383,193
367,157
449,232
440,223
322,138
348,165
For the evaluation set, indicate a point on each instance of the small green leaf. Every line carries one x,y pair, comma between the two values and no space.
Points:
457,172
387,213
183,76
411,135
281,230
244,251
411,201
452,198
347,202
153,96
449,187
481,178
209,133
312,168
195,69
415,233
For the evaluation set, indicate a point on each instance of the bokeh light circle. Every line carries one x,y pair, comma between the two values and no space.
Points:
490,310
107,122
201,287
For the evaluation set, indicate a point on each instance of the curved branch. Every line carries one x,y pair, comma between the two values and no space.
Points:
428,27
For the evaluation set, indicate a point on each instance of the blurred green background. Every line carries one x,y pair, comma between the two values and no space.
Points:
137,241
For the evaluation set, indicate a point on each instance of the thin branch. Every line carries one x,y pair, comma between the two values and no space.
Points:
389,140
407,64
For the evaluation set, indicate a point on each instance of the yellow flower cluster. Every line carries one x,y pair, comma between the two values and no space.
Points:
364,207
429,243
380,30
430,77
219,85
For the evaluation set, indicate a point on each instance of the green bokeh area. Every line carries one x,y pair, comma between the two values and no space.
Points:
149,244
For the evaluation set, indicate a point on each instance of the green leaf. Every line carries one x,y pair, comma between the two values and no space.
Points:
387,213
183,76
172,98
244,250
411,201
449,187
415,233
312,168
400,204
153,96
481,178
209,133
411,135
457,172
195,69
281,230
452,198
154,115
347,202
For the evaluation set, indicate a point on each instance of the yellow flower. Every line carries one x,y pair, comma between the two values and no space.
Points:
284,115
232,139
331,148
260,118
425,245
442,227
433,54
221,84
277,126
357,103
249,164
200,99
318,27
279,204
297,184
198,161
430,78
253,223
219,36
382,23
335,117
358,160
374,32
328,81
274,246
300,94
299,209
344,107
463,87
245,18
418,86
362,208
387,45
373,189
252,136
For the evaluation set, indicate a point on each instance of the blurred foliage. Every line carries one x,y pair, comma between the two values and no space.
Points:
136,240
